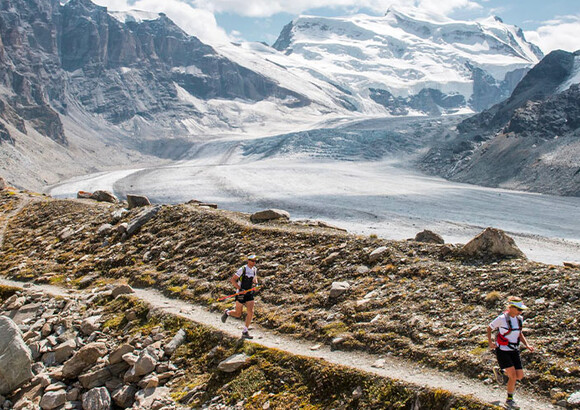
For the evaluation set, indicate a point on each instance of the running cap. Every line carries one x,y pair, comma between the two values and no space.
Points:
252,257
519,304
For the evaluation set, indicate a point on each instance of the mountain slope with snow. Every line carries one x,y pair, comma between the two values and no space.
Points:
411,62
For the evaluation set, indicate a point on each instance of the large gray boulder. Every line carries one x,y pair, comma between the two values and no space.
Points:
269,215
136,201
492,243
15,357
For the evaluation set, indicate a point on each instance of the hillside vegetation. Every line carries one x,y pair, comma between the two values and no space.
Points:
419,301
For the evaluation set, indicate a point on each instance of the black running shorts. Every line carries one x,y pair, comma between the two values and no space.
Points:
246,297
509,359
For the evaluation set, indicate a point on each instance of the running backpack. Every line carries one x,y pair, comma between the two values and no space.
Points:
502,340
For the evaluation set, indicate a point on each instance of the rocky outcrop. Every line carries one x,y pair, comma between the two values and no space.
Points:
528,142
492,244
15,357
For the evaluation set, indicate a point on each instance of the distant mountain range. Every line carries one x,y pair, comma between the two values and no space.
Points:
530,141
83,88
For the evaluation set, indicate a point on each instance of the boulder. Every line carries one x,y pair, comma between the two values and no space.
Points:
116,356
64,351
2,184
233,363
268,215
90,325
53,399
148,398
428,236
177,341
136,201
84,195
338,288
105,229
97,399
124,397
122,290
15,357
492,244
99,377
378,254
141,220
85,357
104,196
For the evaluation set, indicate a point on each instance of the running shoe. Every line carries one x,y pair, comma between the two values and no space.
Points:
511,405
225,316
500,376
246,335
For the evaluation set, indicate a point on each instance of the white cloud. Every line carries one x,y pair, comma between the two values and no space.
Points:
266,8
197,22
562,33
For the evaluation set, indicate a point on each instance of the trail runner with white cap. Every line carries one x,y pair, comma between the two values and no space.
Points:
245,278
507,346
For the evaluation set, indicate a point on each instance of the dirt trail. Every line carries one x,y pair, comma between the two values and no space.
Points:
394,368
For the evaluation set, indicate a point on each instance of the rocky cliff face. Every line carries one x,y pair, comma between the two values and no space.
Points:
90,82
530,141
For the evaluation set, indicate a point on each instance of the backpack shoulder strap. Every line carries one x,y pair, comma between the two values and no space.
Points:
509,324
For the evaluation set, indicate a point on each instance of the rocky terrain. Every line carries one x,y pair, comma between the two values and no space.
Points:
528,142
429,302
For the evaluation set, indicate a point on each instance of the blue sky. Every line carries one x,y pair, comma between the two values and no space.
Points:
550,24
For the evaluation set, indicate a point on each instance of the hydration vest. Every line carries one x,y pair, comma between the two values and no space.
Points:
245,281
502,340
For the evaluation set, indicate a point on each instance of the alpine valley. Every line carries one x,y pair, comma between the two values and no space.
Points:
86,89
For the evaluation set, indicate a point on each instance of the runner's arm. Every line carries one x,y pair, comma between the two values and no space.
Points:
490,341
234,280
525,342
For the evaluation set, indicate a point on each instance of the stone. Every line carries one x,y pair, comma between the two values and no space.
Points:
378,254
233,363
85,357
330,258
141,220
136,201
124,397
122,290
338,288
65,233
492,243
26,313
14,302
104,196
574,400
105,229
2,184
84,195
97,399
90,325
428,236
99,377
116,356
53,399
144,399
64,351
177,341
269,215
145,363
150,381
15,357
73,394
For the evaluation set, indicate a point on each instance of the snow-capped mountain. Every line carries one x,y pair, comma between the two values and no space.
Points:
410,61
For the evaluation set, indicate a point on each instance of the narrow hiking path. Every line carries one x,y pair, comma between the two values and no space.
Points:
390,367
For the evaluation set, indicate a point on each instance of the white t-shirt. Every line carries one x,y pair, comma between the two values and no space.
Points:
250,273
501,324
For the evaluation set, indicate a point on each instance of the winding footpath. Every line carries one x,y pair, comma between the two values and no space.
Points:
390,367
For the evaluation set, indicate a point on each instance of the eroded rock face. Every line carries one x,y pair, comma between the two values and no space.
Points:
428,236
15,357
494,244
